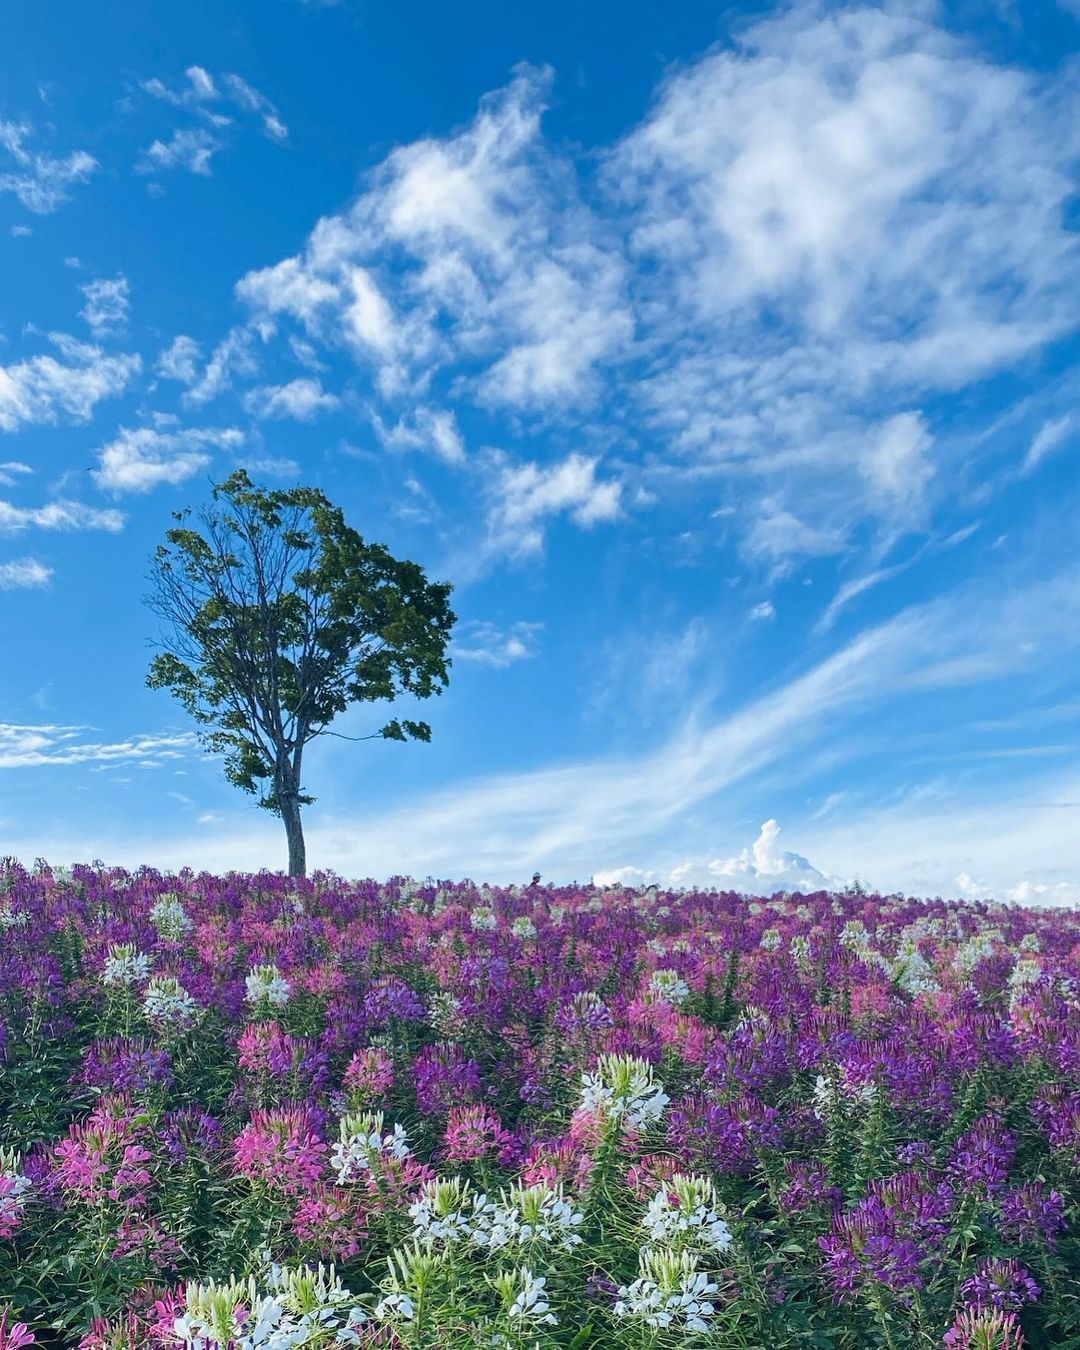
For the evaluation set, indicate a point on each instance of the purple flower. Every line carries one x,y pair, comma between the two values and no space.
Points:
1031,1212
1001,1284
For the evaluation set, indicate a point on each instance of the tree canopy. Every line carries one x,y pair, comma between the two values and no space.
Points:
279,616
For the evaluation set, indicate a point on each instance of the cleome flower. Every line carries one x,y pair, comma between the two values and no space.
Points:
668,986
167,1003
683,1216
14,1189
524,1298
266,984
124,966
671,1294
170,917
622,1088
362,1143
451,1211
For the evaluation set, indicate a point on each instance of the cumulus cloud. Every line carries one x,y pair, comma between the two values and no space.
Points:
525,496
40,182
761,869
24,574
107,305
500,268
893,203
302,400
43,389
141,458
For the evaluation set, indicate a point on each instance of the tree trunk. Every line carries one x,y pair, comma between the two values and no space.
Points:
288,796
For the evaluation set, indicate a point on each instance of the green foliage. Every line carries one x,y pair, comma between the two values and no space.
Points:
281,616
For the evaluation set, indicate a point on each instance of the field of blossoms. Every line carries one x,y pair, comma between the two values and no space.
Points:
245,1111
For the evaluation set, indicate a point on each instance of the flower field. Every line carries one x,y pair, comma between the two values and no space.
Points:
245,1111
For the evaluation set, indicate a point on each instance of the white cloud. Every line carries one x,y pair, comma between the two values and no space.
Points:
107,305
524,496
762,868
24,574
847,208
498,266
428,429
1052,436
23,747
41,183
896,465
303,400
193,147
58,515
192,150
489,645
12,471
141,458
179,361
776,536
43,389
271,466
766,610
234,355
250,98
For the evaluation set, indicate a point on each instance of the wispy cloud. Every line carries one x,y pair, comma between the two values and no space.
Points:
41,182
107,305
205,97
48,745
58,515
487,644
24,574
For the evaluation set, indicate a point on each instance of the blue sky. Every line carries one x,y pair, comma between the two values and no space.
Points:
723,357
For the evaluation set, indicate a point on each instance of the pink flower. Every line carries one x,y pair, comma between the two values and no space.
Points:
473,1131
331,1223
281,1150
14,1337
368,1077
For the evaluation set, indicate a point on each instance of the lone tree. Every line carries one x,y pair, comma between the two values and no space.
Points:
281,616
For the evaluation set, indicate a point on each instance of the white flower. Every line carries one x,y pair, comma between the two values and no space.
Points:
125,965
170,917
396,1308
683,1216
166,1000
267,983
671,1294
523,1294
523,928
451,1211
623,1088
667,986
527,1215
12,918
770,940
362,1144
483,918
842,1093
